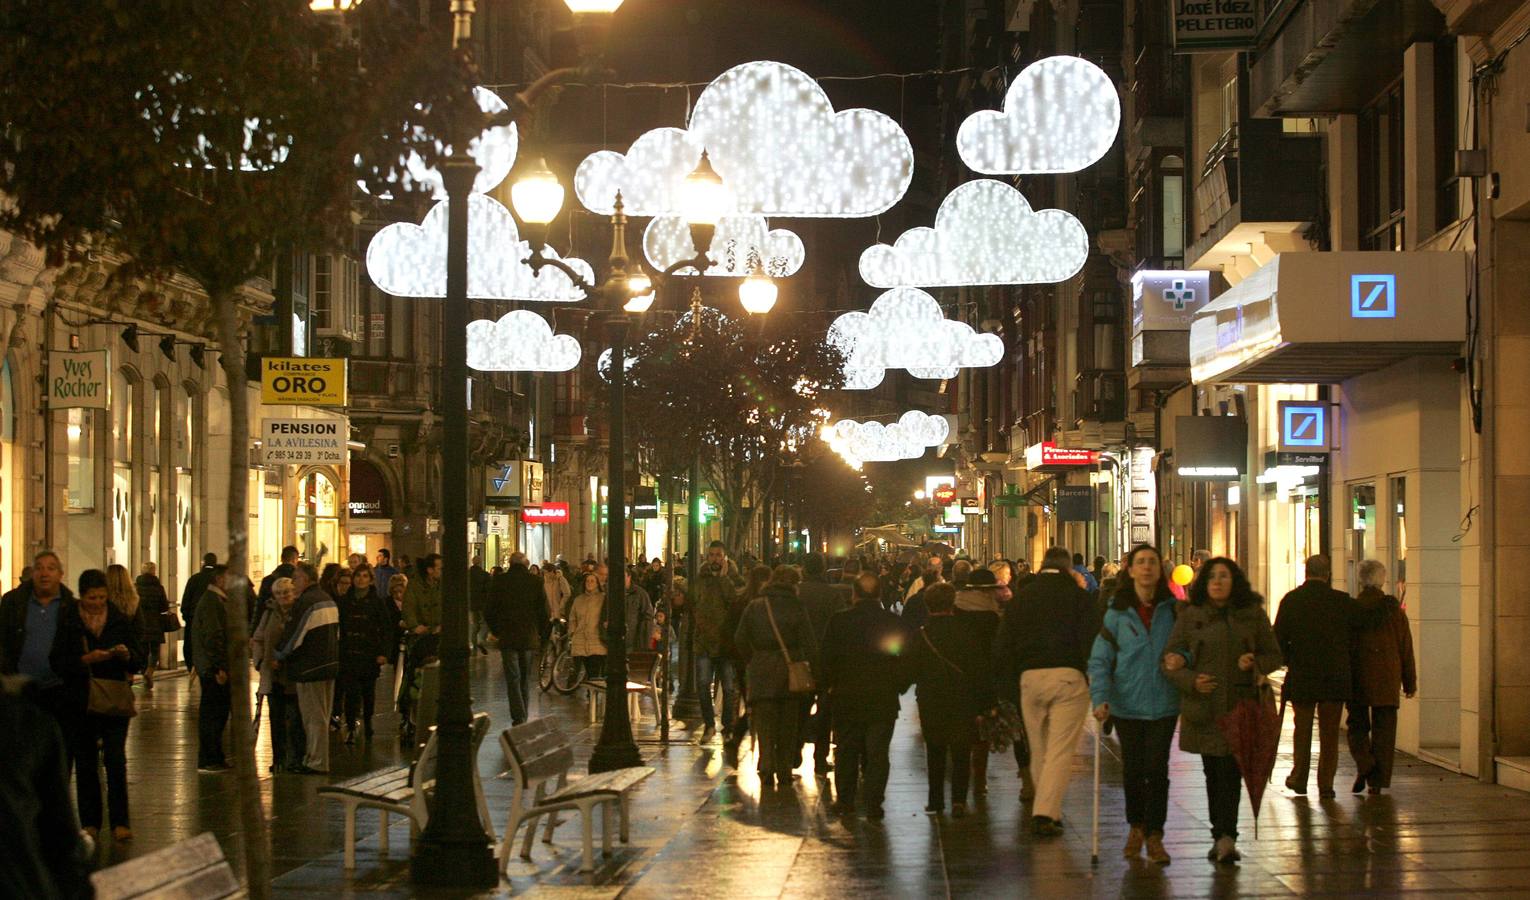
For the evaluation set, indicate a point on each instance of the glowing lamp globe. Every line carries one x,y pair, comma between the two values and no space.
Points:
704,197
640,290
536,195
757,294
585,7
1183,575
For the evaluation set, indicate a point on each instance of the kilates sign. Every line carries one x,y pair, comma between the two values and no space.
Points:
299,381
78,379
1203,25
296,442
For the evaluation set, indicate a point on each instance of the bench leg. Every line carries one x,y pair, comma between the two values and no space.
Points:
531,835
382,837
552,823
587,863
605,829
350,836
624,811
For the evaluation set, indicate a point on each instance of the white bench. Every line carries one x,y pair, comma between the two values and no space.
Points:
405,790
642,680
193,869
540,757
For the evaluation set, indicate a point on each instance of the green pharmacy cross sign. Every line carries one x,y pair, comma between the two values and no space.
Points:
1011,500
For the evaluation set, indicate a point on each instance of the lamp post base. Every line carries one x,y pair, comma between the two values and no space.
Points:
609,757
466,863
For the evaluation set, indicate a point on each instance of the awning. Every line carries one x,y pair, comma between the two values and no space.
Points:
1321,318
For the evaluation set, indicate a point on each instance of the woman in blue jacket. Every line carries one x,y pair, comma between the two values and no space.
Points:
1126,683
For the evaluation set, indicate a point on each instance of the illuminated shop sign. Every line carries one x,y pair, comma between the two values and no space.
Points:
1046,453
546,514
1373,296
1304,426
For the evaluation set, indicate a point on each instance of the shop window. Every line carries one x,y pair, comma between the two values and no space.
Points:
9,542
125,400
1399,536
1381,171
318,518
81,430
1362,528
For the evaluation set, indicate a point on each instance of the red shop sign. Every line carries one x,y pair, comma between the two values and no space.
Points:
546,514
945,495
1049,454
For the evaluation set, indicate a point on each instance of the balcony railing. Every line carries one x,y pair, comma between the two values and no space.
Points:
1158,83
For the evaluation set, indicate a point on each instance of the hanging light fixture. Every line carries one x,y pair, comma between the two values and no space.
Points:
640,290
592,7
704,198
537,195
757,293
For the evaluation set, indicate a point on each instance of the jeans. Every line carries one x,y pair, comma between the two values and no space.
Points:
111,733
720,668
775,727
1328,713
1373,741
1054,702
1224,785
960,767
1145,747
860,759
212,717
520,672
314,699
286,730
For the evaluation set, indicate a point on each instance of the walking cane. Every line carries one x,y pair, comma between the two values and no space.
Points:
260,700
1094,846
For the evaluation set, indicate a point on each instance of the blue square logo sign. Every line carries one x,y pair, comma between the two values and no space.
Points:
1304,425
1373,296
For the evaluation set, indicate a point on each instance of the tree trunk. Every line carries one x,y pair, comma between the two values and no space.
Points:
257,847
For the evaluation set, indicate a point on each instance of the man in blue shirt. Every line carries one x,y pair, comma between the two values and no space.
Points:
29,617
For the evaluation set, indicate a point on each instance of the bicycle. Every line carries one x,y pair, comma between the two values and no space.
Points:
558,669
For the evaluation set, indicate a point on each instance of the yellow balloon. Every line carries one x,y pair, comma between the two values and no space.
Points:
1183,575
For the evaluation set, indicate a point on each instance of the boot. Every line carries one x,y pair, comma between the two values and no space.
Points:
1134,840
1155,851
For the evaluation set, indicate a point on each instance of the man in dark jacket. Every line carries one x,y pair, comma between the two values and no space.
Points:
308,655
863,675
478,593
821,600
207,652
284,570
29,619
639,618
709,604
515,609
42,854
195,587
1312,626
1042,650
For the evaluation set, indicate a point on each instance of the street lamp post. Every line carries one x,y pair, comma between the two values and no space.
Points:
537,199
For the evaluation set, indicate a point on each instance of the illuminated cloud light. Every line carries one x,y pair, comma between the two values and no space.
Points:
738,241
985,233
905,329
410,260
908,438
494,149
521,341
774,137
603,364
1061,114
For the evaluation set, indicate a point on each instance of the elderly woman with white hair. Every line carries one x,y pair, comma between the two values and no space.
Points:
287,736
1381,663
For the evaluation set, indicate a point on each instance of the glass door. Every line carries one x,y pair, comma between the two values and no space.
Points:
1362,529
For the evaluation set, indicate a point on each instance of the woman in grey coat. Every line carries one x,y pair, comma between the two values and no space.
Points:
774,710
1220,650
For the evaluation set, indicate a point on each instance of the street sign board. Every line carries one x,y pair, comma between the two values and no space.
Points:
1075,503
546,514
645,502
1206,25
302,381
81,379
300,442
945,495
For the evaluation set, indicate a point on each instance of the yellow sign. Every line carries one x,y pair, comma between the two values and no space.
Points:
301,381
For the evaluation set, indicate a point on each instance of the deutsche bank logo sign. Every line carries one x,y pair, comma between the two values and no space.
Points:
1373,296
1304,425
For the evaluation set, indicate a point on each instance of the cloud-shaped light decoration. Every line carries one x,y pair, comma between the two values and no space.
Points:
410,260
494,150
737,241
603,364
521,341
908,438
774,137
985,233
905,329
1061,114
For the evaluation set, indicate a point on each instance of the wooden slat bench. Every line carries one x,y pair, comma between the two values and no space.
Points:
540,756
642,680
404,790
193,869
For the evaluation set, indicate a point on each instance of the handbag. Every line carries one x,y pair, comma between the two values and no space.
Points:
799,673
168,620
108,696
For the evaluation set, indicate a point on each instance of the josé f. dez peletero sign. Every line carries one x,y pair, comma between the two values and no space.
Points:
79,379
1203,25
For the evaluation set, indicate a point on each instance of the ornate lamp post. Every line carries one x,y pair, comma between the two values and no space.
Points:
538,197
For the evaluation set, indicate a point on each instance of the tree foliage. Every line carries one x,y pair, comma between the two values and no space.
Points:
717,390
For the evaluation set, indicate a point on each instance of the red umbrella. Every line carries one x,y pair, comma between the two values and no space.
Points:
1252,729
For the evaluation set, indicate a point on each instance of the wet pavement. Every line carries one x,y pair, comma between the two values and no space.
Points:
700,829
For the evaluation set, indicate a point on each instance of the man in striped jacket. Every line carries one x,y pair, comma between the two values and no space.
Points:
308,655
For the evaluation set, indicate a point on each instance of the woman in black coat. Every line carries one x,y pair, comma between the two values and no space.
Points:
152,603
950,660
365,641
96,640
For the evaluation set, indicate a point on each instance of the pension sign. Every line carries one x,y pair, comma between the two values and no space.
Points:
301,381
297,442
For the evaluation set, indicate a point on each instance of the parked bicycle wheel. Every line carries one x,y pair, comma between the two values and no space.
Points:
568,673
546,663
